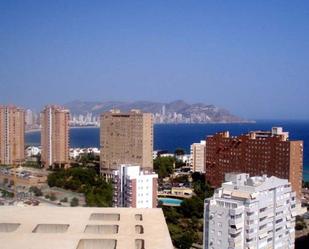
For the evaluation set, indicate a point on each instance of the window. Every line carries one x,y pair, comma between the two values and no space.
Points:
8,227
51,228
105,216
97,244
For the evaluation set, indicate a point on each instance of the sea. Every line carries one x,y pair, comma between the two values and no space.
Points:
171,136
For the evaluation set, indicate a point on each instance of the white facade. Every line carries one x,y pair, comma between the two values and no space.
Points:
32,151
29,117
186,158
167,155
76,152
134,188
250,212
198,156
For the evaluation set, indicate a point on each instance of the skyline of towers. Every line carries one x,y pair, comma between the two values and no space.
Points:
55,136
12,134
126,138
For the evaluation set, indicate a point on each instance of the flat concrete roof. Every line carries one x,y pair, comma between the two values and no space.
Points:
82,228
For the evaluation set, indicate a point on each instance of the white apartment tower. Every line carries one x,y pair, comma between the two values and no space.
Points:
198,156
250,212
134,187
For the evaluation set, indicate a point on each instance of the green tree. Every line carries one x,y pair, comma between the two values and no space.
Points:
53,197
192,207
179,152
36,191
186,239
97,191
305,184
65,199
300,223
74,202
164,166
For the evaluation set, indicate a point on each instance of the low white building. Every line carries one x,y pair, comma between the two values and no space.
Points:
134,188
186,158
32,151
198,156
76,152
167,155
250,212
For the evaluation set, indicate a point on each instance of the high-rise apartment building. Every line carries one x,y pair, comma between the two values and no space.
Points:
198,156
134,187
250,212
29,118
255,153
12,135
55,136
126,138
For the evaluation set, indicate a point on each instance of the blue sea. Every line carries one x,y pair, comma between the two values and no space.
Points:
172,136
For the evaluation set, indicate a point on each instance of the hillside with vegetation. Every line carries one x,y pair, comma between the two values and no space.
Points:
98,192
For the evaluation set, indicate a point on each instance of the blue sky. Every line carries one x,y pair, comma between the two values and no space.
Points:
250,57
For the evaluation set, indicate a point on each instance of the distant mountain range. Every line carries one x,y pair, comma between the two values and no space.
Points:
178,110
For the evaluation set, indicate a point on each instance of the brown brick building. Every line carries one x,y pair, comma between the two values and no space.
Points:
12,135
255,153
55,136
126,138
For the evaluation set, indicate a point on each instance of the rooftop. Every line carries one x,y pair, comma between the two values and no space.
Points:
82,228
246,187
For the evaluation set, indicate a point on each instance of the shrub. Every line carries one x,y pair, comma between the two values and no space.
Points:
53,197
65,199
74,202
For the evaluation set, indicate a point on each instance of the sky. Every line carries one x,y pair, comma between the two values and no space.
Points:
250,57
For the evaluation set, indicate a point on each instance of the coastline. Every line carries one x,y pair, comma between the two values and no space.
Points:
167,137
32,130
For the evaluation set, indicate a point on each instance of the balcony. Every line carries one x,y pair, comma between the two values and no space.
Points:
280,224
251,245
252,217
236,211
280,203
251,235
251,209
263,222
234,231
236,222
235,242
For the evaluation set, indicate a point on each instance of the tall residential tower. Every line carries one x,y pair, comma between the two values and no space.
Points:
255,153
126,138
12,135
198,155
250,212
55,136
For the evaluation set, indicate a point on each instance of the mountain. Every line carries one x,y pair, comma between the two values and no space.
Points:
175,112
